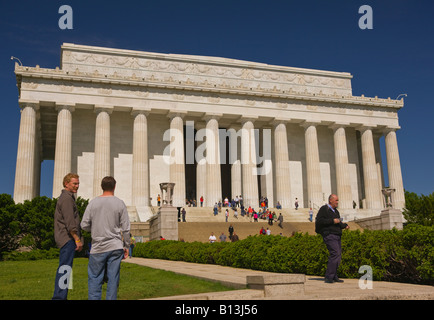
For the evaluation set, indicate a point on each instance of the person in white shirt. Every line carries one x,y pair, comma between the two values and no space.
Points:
212,238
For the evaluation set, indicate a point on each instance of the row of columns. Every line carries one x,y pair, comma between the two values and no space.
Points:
208,172
27,156
140,167
244,179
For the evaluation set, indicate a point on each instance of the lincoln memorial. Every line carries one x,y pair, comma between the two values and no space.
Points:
215,127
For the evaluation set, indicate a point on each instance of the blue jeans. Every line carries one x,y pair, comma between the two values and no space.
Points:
96,268
66,257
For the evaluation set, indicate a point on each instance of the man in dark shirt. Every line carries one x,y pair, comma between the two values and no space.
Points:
67,234
328,223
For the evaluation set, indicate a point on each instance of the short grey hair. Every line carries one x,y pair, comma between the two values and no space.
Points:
331,196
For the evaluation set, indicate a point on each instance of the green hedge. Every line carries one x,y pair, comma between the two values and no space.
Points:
36,254
404,256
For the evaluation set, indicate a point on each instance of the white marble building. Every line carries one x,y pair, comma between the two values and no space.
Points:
113,112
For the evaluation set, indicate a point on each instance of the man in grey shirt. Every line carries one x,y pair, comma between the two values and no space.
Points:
106,217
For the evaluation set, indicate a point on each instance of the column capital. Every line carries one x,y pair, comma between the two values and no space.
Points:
337,125
306,124
136,112
29,103
390,129
209,115
176,113
244,119
365,127
61,106
235,126
101,108
275,122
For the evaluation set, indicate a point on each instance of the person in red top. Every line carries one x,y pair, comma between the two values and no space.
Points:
270,218
201,201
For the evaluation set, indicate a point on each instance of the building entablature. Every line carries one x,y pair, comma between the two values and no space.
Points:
33,75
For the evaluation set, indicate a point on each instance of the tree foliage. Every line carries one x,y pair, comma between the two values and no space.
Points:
9,224
419,209
29,224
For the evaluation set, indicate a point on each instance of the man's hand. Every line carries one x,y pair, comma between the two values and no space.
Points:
78,242
79,246
336,220
125,253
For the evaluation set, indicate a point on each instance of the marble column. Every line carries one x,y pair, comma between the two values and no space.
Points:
283,182
62,157
248,164
265,168
235,161
200,158
370,174
102,148
313,170
378,161
394,170
177,165
26,154
343,184
38,160
213,171
140,177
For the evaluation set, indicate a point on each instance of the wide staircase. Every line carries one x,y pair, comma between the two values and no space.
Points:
205,214
201,222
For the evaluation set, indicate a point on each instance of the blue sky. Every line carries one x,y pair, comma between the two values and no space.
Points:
396,56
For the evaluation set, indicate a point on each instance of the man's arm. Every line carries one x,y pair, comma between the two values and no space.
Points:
343,225
67,209
125,229
86,223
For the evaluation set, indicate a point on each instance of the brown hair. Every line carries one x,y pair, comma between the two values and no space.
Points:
68,178
108,183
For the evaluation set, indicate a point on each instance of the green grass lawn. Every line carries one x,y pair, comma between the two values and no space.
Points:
34,280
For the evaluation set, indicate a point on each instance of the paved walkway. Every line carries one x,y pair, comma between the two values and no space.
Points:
315,288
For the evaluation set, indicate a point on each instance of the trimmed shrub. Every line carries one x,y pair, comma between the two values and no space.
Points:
36,254
404,256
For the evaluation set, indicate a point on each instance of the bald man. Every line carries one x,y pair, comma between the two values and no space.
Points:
329,224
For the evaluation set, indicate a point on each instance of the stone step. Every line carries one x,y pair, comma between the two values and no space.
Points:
132,214
200,231
204,214
246,294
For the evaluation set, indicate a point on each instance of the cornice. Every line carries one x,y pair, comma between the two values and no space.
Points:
199,86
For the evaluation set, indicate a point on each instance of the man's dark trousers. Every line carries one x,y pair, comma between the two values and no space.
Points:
333,243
